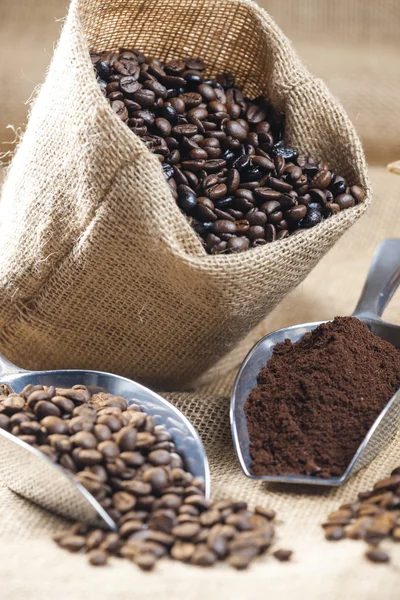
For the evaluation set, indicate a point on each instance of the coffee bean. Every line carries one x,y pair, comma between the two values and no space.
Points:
145,561
65,405
84,439
123,501
173,82
216,192
377,556
256,217
345,201
4,422
186,531
120,109
182,551
256,114
159,457
129,85
89,457
98,558
239,561
126,438
94,539
186,130
187,201
268,513
312,219
358,193
54,425
236,130
296,213
322,180
73,543
283,555
203,556
223,226
270,233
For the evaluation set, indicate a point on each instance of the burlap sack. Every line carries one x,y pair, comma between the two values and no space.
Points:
98,267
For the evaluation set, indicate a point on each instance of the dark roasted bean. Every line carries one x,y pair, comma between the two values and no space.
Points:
345,201
283,555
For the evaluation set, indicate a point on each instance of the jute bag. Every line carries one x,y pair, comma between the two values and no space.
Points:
98,267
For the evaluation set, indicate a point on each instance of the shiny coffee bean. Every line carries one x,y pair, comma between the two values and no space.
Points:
187,202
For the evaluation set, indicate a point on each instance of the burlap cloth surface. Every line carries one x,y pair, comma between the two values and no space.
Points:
31,566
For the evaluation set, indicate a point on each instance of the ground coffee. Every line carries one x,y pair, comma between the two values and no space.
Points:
373,517
131,466
223,155
316,399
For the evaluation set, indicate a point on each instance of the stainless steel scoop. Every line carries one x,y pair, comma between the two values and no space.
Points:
382,281
31,474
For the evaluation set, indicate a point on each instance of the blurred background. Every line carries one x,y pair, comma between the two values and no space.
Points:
352,44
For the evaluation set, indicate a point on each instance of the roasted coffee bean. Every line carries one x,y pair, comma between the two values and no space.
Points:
46,408
256,232
84,439
256,113
256,217
54,424
358,193
345,201
89,457
120,109
377,556
186,130
296,213
239,561
216,192
223,226
270,233
283,555
65,405
322,180
129,85
73,543
187,201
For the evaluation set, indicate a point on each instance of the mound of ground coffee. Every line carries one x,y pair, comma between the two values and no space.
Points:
316,399
222,154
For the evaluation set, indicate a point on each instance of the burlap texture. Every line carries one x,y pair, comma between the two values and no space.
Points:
102,271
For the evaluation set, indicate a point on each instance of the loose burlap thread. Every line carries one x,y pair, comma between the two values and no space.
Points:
102,270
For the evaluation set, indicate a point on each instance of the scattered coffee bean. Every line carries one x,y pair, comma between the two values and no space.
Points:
377,556
283,555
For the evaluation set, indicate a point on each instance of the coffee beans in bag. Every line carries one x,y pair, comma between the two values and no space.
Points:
100,266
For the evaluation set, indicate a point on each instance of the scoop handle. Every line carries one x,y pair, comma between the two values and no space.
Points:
382,280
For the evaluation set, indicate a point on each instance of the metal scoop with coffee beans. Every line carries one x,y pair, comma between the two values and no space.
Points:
131,467
223,155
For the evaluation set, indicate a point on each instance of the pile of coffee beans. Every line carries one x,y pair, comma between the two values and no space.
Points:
223,154
373,517
131,466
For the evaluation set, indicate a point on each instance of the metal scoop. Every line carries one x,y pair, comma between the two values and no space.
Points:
382,281
31,474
